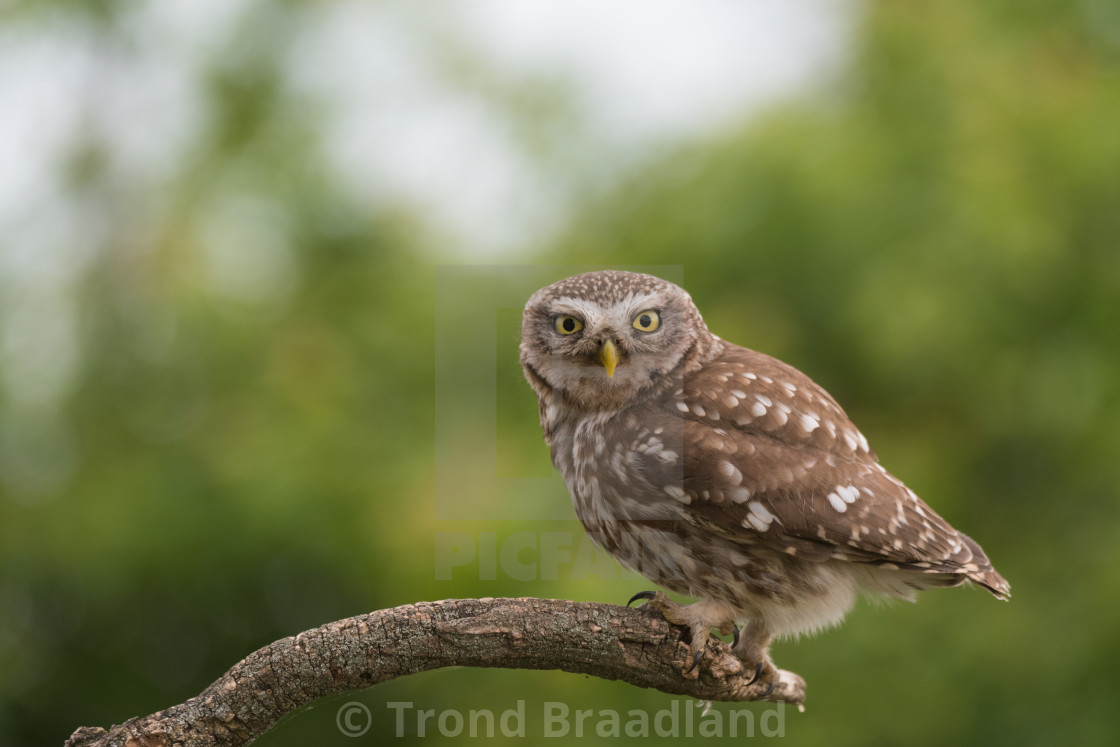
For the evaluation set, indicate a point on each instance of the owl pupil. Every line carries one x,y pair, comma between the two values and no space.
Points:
569,325
644,320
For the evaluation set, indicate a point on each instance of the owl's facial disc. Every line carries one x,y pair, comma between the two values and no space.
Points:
601,340
607,352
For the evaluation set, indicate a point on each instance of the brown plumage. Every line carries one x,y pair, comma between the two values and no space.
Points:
720,472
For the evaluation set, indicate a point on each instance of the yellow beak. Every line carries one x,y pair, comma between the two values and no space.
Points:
608,356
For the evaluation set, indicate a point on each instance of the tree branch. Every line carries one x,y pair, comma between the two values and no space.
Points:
607,641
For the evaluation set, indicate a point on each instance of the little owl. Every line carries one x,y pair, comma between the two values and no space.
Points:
721,473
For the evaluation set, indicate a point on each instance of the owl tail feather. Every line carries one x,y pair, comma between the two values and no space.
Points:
990,579
980,571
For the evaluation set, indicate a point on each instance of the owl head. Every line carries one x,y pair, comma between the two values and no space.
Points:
603,338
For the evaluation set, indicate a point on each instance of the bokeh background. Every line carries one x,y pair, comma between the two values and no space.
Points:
260,271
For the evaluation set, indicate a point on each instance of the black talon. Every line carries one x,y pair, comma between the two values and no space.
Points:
768,691
695,661
757,674
641,595
735,637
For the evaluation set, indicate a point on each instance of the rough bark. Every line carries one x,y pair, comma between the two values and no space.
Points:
607,641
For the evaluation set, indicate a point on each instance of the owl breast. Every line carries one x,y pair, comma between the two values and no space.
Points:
617,504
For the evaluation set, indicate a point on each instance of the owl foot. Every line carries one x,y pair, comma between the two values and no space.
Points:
753,648
692,618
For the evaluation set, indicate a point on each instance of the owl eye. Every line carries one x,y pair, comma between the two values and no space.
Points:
647,321
567,325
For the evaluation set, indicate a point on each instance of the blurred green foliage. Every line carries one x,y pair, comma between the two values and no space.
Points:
934,239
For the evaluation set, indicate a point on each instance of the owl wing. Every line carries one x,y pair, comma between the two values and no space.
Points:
769,455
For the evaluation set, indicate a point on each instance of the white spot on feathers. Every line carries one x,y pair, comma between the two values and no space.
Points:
739,495
757,523
763,514
730,472
676,491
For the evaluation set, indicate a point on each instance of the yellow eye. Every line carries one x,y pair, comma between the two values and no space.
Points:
567,325
647,321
